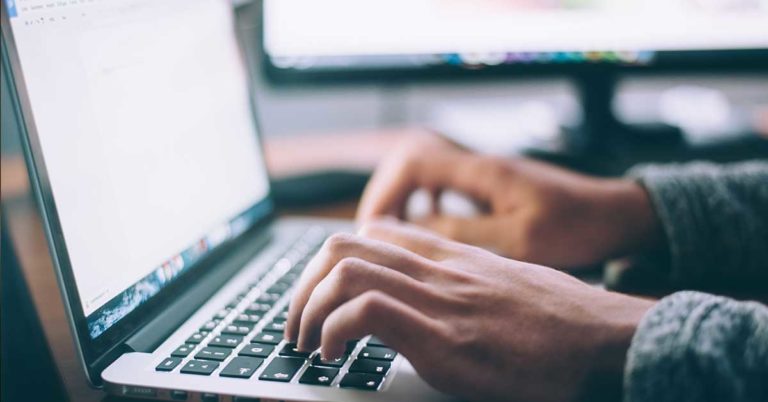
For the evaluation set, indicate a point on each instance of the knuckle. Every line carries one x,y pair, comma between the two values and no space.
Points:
348,269
408,160
462,341
338,242
370,228
371,303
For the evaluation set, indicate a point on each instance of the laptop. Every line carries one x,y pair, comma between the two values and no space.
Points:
144,155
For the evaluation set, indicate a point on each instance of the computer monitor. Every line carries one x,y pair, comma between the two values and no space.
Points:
590,40
346,36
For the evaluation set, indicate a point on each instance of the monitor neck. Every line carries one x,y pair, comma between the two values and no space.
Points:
600,129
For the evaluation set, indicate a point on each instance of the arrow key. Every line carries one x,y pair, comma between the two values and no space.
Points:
319,376
199,367
281,369
241,367
368,382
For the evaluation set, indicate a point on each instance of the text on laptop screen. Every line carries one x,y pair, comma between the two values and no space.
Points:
145,125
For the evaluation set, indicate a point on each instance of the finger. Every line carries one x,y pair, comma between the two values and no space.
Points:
392,183
408,236
388,189
487,232
340,246
350,278
397,324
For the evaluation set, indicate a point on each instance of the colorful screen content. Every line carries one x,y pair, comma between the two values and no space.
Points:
151,150
351,34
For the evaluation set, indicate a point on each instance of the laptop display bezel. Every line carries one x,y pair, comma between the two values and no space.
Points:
96,354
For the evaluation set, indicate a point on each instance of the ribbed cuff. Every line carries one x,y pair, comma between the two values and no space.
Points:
676,196
695,347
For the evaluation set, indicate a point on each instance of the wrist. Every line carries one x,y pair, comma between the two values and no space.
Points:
620,317
630,213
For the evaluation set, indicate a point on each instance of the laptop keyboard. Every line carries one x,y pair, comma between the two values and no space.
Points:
244,340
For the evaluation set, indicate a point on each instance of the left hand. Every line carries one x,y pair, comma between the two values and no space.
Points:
472,324
531,210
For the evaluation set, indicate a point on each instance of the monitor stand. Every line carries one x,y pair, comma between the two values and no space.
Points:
600,129
602,144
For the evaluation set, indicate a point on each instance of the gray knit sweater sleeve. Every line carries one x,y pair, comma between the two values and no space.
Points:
715,218
693,347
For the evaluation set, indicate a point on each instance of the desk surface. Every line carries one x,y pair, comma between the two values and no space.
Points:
285,156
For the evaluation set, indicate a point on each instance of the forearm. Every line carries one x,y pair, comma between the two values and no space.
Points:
714,220
698,347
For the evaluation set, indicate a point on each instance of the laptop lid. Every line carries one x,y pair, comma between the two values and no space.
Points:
141,142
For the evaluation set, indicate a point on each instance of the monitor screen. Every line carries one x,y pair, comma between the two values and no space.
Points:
351,34
143,115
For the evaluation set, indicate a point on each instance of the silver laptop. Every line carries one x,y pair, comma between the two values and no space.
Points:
143,151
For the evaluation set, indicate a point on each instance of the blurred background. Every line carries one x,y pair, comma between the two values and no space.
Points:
594,85
719,104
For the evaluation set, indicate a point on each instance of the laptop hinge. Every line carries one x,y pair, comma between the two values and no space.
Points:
156,331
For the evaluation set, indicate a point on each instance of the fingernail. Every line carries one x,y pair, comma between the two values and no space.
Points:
328,354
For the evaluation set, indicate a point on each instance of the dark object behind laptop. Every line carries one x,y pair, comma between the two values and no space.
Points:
27,369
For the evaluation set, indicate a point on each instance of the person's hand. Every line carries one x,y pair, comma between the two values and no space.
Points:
472,323
532,211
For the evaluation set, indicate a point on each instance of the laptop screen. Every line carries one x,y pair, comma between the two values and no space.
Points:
145,125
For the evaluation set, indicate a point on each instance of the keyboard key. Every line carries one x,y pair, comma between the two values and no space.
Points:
241,367
182,351
279,288
256,350
369,366
197,337
252,318
223,313
258,308
369,382
268,298
281,369
376,352
168,364
283,315
338,362
199,367
350,346
242,295
319,376
275,327
270,338
374,341
210,325
290,277
290,350
236,329
279,319
226,341
213,353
